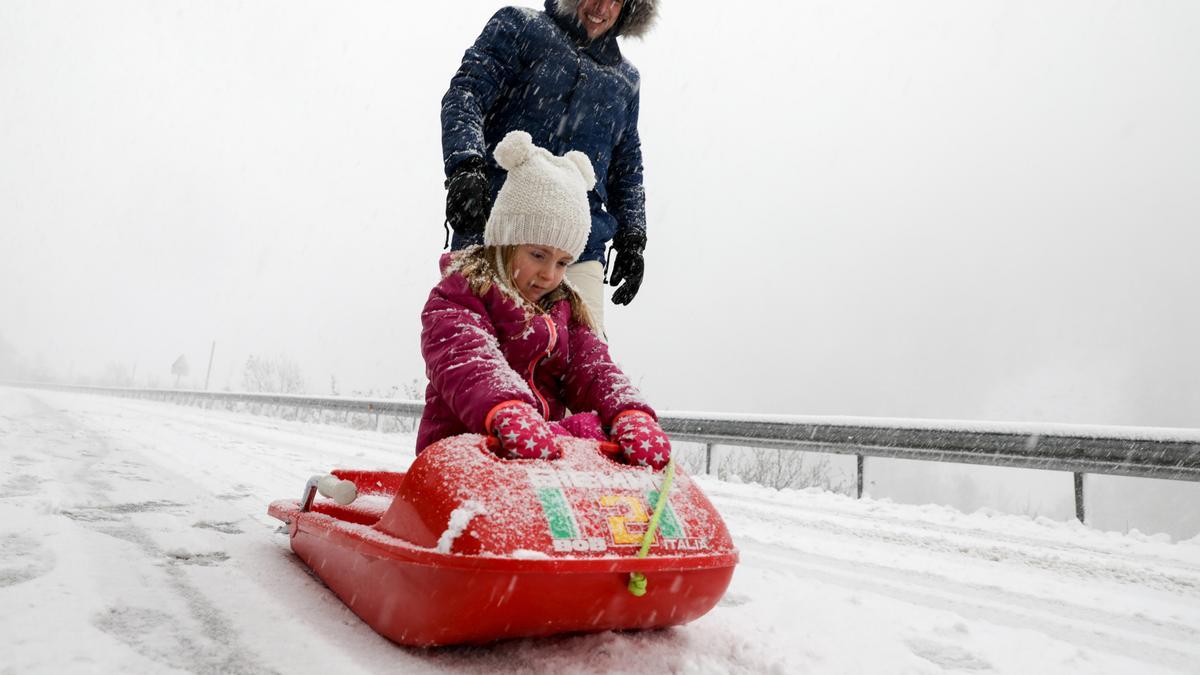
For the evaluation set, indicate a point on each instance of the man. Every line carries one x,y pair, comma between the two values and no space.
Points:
557,74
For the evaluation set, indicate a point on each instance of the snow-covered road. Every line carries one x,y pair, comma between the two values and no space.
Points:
134,538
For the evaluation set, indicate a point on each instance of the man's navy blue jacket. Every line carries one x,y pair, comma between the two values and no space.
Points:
535,71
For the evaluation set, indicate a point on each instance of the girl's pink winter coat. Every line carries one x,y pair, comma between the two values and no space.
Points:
482,351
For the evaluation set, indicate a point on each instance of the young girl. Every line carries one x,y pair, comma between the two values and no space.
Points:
509,347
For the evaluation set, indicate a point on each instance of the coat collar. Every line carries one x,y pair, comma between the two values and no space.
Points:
603,50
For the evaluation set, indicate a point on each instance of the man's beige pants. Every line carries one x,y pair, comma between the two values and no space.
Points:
588,279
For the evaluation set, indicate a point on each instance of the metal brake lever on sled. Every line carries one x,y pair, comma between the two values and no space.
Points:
310,493
306,501
606,447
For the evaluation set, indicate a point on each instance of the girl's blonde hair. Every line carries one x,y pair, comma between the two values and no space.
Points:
485,266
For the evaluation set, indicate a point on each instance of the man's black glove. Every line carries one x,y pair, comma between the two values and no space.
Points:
629,266
468,199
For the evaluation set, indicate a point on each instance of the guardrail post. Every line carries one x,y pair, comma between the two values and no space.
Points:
708,459
1079,514
859,467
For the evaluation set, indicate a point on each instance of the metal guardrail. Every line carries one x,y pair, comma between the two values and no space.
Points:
1172,454
1119,451
372,406
1150,454
369,406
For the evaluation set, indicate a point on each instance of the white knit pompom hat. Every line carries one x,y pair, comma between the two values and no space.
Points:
544,199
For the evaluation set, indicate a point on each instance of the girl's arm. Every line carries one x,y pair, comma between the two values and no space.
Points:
463,360
594,382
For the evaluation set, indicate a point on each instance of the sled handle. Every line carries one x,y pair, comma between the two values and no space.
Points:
637,580
606,447
341,491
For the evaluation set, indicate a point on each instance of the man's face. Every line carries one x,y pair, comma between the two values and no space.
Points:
598,16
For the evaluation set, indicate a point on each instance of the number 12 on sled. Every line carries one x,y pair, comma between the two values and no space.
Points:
622,521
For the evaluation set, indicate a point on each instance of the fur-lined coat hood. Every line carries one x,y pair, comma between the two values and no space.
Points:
637,16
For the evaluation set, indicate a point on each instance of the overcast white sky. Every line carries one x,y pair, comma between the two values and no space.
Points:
981,210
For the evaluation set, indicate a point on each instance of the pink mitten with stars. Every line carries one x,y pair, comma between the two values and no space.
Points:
642,441
522,432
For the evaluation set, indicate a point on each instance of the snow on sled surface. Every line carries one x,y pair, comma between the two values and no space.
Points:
469,548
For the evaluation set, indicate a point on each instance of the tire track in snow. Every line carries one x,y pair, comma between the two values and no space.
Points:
272,470
1164,574
1129,636
151,632
808,510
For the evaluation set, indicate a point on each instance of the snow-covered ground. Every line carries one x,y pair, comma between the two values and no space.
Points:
134,538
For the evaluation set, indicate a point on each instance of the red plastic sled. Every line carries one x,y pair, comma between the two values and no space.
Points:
470,548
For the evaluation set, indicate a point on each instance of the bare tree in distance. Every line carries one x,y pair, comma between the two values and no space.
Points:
180,369
8,359
778,468
116,374
278,374
410,390
14,366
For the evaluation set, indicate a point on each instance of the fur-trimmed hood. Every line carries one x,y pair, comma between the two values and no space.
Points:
637,16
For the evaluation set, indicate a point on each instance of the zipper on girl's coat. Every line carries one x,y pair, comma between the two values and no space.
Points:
534,364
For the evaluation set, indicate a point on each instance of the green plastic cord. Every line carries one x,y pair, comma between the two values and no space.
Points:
637,580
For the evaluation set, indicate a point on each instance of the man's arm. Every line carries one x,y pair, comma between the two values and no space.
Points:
627,203
487,68
626,195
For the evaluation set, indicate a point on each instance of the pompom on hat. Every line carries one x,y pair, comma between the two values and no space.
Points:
544,198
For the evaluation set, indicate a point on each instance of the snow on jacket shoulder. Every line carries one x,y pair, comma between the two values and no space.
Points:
531,70
482,351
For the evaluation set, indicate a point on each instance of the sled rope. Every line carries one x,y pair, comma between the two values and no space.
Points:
637,580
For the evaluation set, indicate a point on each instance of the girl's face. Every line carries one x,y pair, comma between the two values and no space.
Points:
537,270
